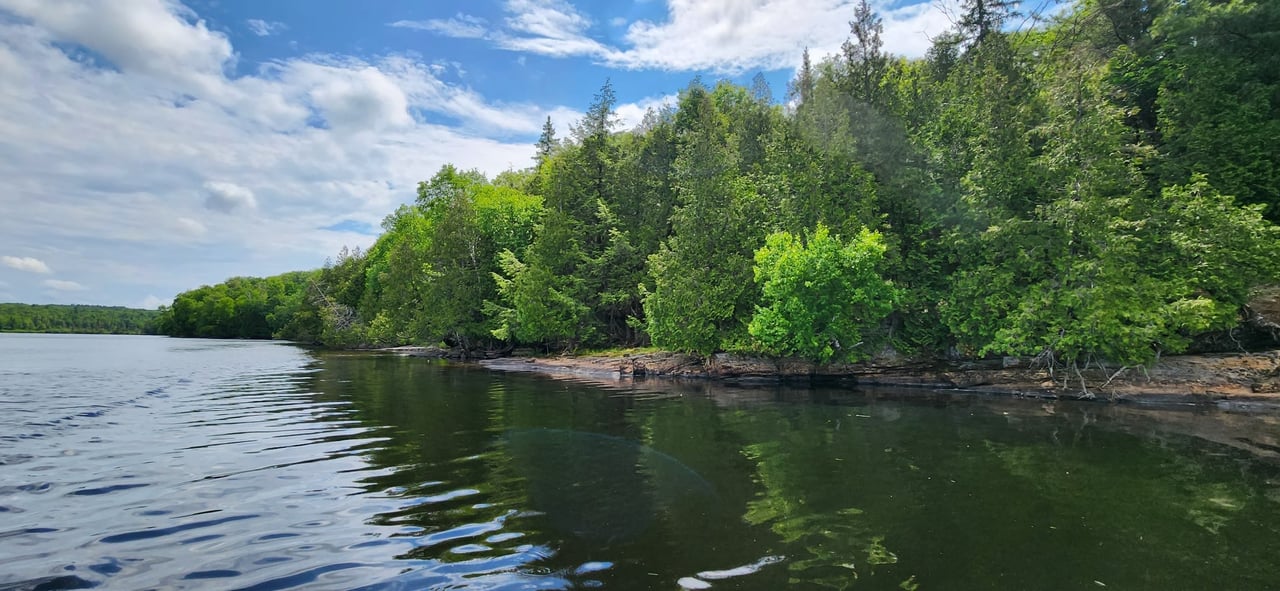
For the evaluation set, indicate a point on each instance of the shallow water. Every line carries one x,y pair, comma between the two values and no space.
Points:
139,463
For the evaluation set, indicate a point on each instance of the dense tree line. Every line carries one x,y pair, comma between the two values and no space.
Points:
245,308
58,318
1100,188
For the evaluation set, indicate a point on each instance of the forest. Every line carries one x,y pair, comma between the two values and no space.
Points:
57,318
1103,186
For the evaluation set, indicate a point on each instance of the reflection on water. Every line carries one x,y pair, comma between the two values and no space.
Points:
132,463
602,488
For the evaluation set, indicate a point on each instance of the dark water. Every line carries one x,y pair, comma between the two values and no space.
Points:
149,463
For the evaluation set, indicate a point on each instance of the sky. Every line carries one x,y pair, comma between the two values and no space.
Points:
148,147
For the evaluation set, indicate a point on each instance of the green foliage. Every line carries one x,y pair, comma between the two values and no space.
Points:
469,231
537,310
1218,248
243,308
394,276
1057,191
1218,101
820,296
701,296
58,318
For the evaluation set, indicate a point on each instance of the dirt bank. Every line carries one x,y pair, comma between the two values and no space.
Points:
1235,380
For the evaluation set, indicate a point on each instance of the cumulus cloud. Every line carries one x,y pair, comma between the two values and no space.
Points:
359,99
28,264
630,115
63,285
724,36
147,37
227,197
304,142
263,28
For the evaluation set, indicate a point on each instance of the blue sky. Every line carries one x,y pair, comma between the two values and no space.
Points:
151,146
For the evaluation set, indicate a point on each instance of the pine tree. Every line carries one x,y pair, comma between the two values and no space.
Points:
801,91
546,142
981,18
864,59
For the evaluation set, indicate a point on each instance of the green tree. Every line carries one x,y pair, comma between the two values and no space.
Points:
701,295
820,295
58,318
981,19
556,267
1219,97
865,61
546,142
469,230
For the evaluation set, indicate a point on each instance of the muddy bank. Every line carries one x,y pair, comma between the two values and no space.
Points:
1232,380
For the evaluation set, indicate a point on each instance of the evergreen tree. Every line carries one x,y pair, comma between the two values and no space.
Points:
546,142
801,89
865,62
982,18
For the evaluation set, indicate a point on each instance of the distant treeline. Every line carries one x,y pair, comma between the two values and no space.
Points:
57,318
1100,188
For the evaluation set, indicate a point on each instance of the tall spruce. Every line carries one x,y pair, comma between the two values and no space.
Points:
546,142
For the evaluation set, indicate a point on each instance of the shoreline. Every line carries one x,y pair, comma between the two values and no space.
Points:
1236,381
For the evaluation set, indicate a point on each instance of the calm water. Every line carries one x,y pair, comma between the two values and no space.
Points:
139,463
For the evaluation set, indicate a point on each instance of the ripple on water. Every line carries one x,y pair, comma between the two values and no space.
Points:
302,578
58,583
211,574
15,459
147,534
27,531
105,489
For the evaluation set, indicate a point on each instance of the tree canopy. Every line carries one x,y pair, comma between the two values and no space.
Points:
1099,187
59,318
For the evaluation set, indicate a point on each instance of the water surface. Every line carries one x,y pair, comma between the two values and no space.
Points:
139,463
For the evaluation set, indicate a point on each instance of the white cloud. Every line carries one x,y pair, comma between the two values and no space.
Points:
355,99
227,197
28,264
461,26
147,37
548,27
62,285
737,36
318,140
151,302
723,36
263,28
630,115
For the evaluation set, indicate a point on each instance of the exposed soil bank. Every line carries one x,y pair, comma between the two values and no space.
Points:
1233,380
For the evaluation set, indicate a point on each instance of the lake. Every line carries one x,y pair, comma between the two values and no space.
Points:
154,463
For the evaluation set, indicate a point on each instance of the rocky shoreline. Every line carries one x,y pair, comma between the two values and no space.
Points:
1239,380
1228,398
1231,380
